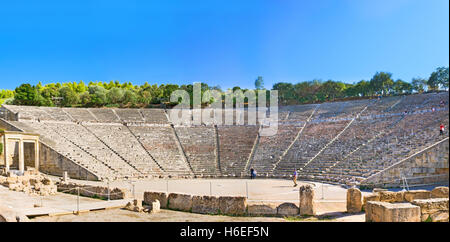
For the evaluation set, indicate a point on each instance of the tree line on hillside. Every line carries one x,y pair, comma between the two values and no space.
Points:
116,94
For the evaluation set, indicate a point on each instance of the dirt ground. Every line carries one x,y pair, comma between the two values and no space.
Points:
121,215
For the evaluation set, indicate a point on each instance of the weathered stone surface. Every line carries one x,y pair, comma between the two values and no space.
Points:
135,205
9,215
233,205
439,217
354,200
391,197
439,192
375,190
307,200
431,207
417,194
150,197
288,209
262,209
94,191
153,207
205,204
32,183
392,212
182,202
371,197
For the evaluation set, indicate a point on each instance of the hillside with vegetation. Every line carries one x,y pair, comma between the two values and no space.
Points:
125,95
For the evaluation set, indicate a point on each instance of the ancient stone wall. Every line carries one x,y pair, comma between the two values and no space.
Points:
54,163
430,166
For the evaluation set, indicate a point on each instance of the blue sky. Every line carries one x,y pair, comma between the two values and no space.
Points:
220,42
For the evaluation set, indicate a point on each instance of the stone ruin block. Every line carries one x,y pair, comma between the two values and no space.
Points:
371,197
288,209
307,200
391,197
150,197
233,205
439,192
153,207
354,200
392,212
417,194
181,202
205,204
135,205
262,209
435,209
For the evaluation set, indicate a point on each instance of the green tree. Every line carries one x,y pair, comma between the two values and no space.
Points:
26,94
97,95
114,95
419,84
382,83
70,97
438,79
259,83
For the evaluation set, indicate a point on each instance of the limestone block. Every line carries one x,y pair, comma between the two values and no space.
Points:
233,205
262,209
439,192
155,207
307,200
205,204
288,209
391,197
431,207
371,197
354,200
182,202
439,217
392,212
150,197
417,194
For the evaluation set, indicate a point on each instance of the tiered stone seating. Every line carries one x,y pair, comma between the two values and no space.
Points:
100,141
410,135
129,115
199,145
161,144
80,114
271,148
56,114
119,139
29,112
105,115
154,116
360,132
235,146
86,141
69,149
313,138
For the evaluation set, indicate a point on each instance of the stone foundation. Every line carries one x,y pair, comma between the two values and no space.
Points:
392,212
433,209
205,204
181,202
150,197
94,191
233,205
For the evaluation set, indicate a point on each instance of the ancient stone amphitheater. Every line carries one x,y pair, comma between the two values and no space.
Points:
331,142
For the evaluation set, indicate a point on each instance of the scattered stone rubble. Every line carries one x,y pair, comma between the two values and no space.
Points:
32,182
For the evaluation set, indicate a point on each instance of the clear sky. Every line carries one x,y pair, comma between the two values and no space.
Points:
220,42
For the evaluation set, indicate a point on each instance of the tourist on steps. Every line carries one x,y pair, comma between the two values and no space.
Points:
441,129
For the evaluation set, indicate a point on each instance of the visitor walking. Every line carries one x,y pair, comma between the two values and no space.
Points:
441,129
252,173
294,178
